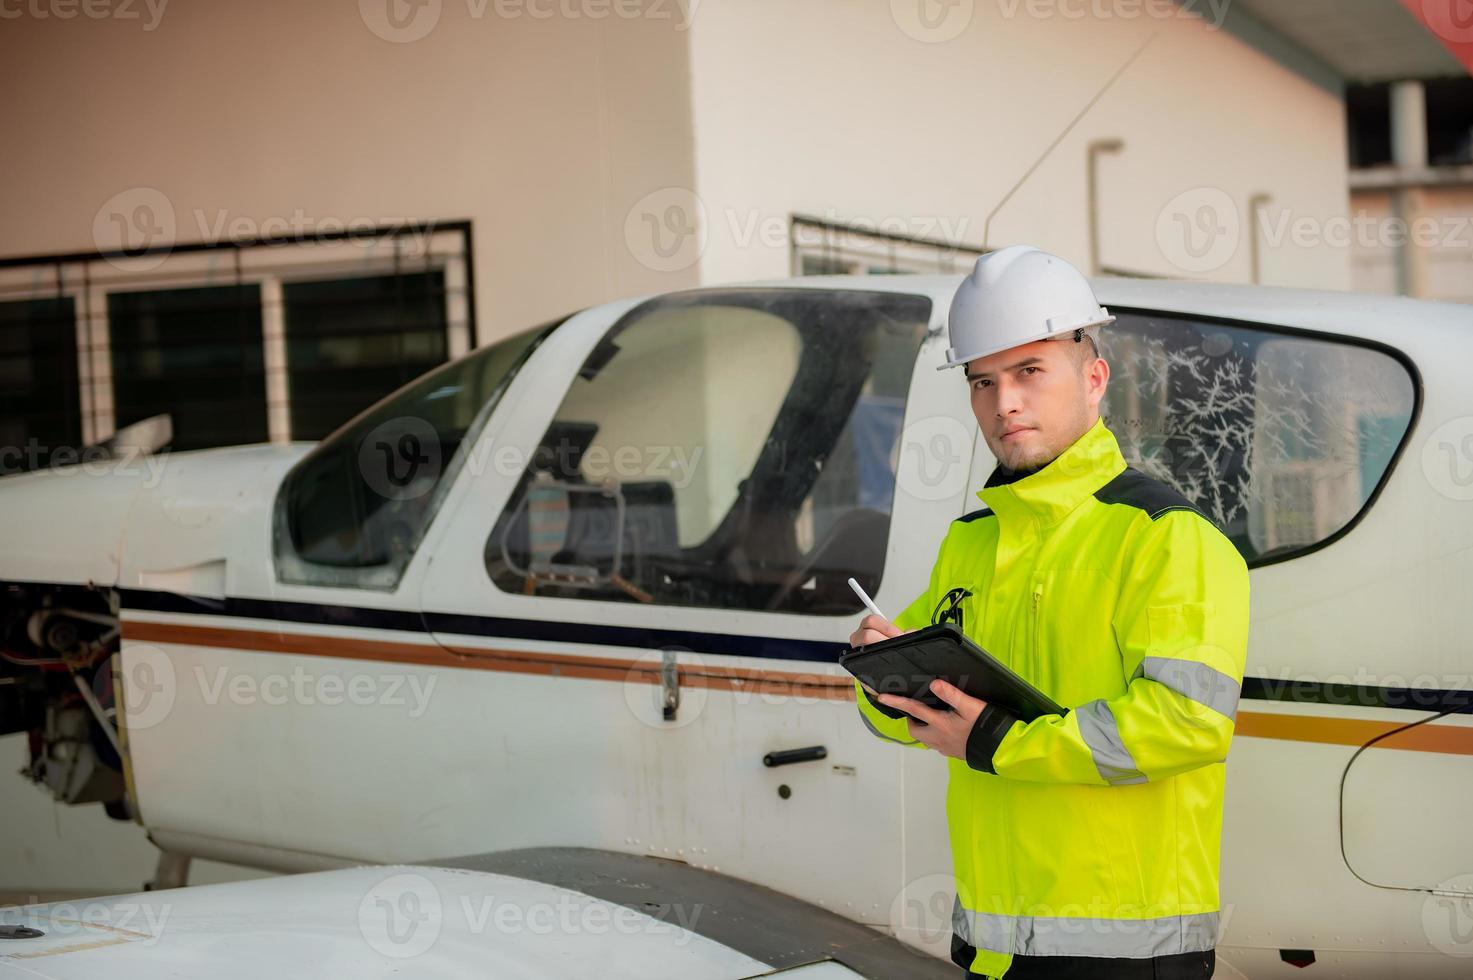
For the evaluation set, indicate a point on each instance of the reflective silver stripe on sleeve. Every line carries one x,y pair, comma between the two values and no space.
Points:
889,738
1031,935
1098,729
1194,681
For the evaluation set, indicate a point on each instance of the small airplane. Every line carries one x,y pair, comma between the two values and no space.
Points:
585,588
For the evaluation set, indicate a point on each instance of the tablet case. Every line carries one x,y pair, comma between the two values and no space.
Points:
907,664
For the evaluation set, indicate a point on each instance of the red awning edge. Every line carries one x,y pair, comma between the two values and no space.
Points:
1451,22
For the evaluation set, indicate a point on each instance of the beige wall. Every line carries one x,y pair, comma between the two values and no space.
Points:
543,132
568,141
832,108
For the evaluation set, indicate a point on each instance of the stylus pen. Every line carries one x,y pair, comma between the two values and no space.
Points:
864,598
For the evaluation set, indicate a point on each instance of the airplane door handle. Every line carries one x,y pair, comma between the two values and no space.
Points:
787,757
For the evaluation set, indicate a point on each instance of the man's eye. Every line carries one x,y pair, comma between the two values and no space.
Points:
1029,369
980,382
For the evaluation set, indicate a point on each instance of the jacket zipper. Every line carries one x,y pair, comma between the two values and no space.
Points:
1034,654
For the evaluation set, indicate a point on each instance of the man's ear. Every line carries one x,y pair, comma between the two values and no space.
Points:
1097,380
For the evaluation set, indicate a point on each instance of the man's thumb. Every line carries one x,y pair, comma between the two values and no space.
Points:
947,691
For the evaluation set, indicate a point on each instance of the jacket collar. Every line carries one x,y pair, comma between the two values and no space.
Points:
1050,492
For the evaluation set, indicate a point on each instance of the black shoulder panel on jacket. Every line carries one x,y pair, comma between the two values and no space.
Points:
1136,489
975,515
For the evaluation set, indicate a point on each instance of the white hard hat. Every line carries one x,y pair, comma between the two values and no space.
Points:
1015,296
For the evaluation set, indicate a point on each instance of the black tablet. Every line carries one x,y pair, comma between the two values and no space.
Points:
907,664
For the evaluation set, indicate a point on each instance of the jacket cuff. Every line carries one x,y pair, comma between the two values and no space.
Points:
987,733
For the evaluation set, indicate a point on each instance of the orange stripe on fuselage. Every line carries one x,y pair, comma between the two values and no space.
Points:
1294,728
735,679
1354,731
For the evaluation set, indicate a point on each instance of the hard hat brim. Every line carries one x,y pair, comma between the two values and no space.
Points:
1055,330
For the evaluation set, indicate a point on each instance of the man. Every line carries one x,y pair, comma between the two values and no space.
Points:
1084,844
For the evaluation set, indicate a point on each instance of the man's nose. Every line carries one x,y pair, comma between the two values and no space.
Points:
1009,399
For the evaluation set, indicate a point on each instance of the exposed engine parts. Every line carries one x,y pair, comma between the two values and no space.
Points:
56,645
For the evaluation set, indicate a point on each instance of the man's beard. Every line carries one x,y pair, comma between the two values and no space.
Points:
1025,458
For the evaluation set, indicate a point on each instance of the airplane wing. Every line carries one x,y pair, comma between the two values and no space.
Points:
536,913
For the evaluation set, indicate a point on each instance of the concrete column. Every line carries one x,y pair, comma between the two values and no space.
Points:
1409,124
1409,154
273,342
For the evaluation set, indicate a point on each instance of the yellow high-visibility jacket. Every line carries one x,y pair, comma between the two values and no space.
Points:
1096,832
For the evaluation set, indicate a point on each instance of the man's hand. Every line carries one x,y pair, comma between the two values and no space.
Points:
873,629
945,731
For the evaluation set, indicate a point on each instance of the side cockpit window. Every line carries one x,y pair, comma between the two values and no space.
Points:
353,511
1281,438
721,448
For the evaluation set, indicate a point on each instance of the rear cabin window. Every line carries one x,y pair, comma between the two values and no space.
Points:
1282,439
